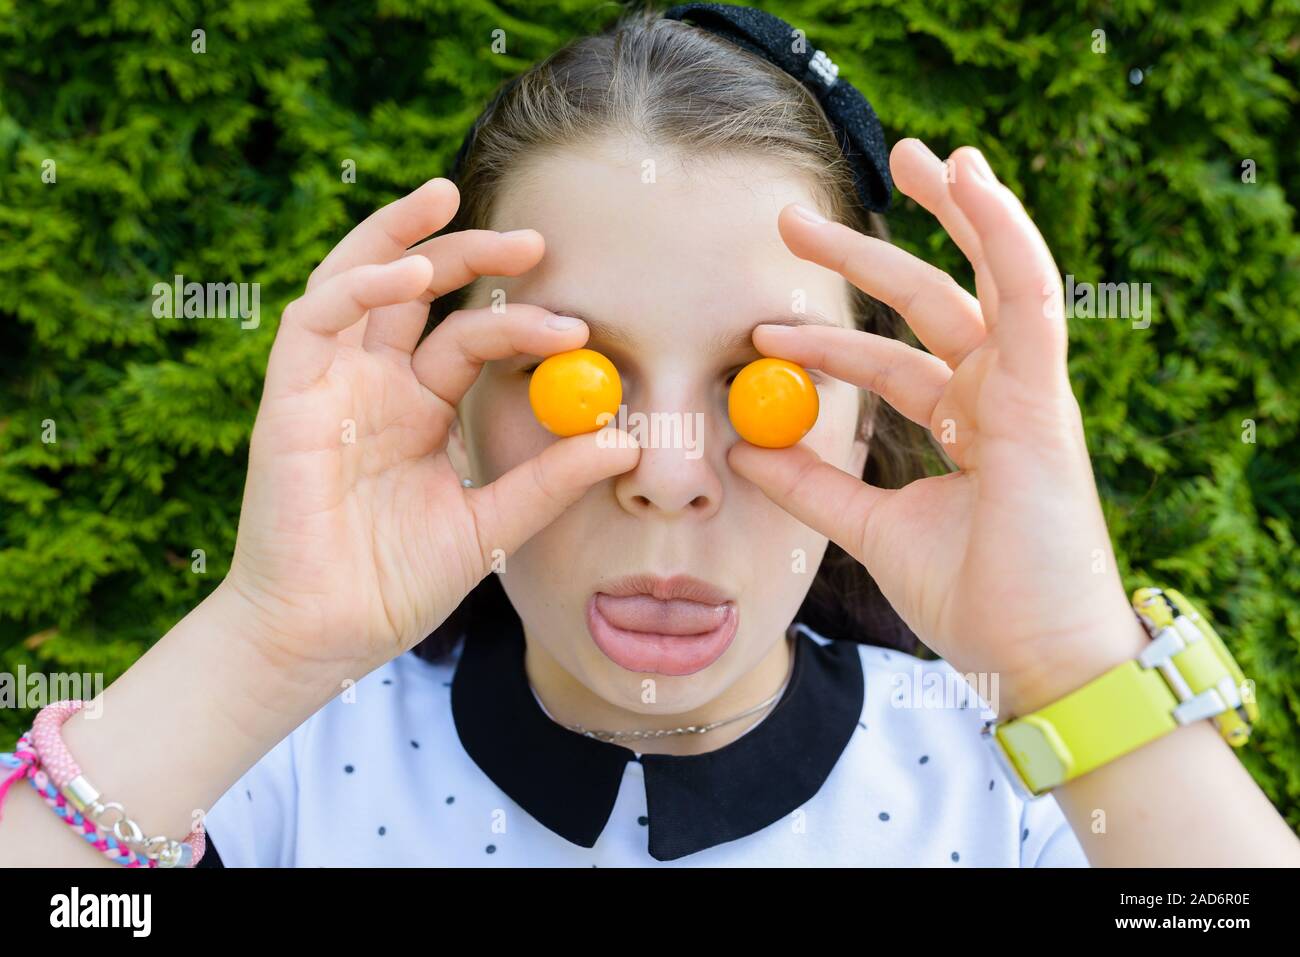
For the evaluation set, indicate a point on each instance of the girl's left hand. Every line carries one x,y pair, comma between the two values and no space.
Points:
1005,566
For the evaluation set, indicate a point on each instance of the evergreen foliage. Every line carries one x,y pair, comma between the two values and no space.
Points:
1162,158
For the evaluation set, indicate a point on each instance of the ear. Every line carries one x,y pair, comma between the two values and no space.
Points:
858,460
862,442
457,453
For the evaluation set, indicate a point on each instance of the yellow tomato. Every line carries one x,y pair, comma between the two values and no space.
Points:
570,390
772,403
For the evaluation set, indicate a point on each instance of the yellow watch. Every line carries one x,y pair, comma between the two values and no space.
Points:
1186,674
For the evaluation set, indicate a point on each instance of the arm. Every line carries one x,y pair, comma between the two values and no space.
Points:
1005,566
356,537
172,733
1183,800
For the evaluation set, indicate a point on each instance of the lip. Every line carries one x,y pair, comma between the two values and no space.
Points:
678,605
666,589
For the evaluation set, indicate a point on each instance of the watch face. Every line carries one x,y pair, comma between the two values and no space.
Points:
989,734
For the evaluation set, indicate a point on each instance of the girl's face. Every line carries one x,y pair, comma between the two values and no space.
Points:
671,275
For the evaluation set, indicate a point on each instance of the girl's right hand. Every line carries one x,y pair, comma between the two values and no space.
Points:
356,537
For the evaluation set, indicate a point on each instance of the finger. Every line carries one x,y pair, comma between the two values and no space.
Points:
920,174
910,380
308,338
450,358
461,257
823,497
396,329
944,316
530,496
385,234
458,259
1030,330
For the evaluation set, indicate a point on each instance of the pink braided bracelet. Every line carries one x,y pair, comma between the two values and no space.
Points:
28,765
42,757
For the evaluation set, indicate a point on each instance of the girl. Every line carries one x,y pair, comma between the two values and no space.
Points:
630,651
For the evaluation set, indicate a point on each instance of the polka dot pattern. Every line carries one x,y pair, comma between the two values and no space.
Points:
410,752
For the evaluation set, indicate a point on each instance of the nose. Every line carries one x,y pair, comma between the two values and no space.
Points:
676,476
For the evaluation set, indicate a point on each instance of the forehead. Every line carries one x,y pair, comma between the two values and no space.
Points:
644,238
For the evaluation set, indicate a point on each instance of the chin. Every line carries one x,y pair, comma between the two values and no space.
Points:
654,694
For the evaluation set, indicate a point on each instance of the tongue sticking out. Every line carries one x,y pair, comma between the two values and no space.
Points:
676,616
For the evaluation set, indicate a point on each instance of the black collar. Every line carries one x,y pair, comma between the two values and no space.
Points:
569,782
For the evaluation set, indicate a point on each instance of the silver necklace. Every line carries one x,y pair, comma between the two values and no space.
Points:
641,735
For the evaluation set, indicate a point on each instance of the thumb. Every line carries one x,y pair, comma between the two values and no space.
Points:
825,498
531,495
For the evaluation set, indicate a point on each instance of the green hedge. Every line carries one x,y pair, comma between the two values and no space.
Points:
226,166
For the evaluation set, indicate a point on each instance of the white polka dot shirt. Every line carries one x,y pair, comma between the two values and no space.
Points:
382,776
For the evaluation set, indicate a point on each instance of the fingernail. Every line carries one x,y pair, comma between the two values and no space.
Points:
922,146
981,167
808,214
515,232
563,322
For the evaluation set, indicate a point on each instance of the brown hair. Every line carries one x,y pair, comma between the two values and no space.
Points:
677,85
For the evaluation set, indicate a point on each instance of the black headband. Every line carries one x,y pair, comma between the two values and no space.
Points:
855,122
856,126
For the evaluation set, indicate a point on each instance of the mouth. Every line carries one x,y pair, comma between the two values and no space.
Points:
668,626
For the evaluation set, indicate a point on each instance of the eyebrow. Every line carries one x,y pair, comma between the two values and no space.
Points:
718,344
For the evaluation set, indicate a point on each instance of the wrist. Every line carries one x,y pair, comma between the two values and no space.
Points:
272,670
1065,662
200,707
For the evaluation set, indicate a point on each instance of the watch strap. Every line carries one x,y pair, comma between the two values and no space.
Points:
1208,680
1185,674
1120,711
